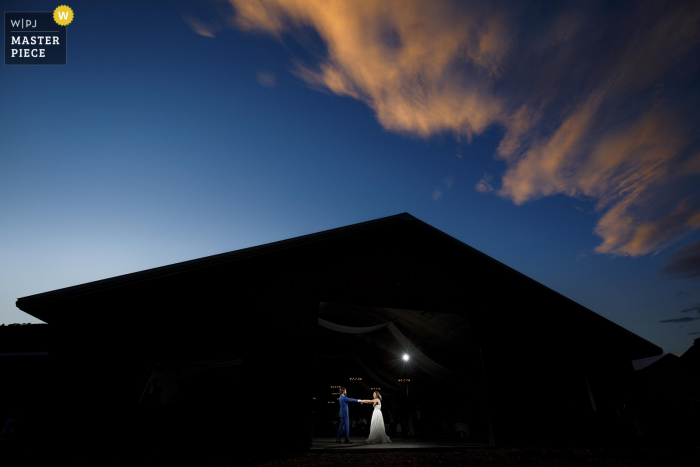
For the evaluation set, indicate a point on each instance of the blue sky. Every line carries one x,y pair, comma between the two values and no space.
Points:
180,130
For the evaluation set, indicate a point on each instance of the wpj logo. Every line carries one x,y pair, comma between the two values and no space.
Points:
22,23
37,38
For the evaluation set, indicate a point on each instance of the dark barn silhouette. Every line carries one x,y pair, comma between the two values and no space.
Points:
24,371
667,396
550,371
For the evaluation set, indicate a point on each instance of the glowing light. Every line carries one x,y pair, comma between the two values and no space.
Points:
405,357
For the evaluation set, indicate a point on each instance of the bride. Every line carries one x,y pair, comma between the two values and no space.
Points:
377,432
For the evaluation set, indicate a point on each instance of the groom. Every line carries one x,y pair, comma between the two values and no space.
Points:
344,418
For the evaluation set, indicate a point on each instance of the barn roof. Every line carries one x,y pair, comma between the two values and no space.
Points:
642,363
26,303
35,304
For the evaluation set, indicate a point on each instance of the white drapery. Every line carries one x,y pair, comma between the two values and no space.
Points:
426,363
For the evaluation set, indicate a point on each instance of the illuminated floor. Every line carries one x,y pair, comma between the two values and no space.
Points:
359,443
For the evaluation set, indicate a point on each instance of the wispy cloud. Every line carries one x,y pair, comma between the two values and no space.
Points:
685,262
444,186
484,185
695,309
267,79
678,320
592,99
424,67
201,27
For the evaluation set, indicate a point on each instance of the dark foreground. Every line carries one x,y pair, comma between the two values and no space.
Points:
535,457
473,457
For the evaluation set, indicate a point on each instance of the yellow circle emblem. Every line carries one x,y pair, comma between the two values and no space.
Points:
63,15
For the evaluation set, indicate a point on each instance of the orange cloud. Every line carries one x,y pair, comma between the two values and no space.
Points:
582,102
404,58
200,27
623,169
484,185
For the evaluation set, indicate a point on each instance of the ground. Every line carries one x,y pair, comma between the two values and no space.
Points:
198,456
530,457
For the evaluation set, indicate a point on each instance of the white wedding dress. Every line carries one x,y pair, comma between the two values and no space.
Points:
377,431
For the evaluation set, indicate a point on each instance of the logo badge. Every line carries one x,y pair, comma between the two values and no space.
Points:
63,15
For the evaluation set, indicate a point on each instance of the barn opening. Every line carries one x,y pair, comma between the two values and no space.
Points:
422,362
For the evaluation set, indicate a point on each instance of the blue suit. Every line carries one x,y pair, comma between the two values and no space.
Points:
344,418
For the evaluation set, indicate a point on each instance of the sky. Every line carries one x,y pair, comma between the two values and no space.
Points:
558,138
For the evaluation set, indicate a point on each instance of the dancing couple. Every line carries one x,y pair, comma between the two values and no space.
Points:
377,432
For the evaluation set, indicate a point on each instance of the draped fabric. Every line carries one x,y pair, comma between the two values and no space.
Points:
353,356
426,363
350,329
372,375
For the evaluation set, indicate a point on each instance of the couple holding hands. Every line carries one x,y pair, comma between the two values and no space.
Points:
377,431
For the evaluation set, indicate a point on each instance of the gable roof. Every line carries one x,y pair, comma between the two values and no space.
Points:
30,303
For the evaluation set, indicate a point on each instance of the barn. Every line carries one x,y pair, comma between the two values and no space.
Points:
252,345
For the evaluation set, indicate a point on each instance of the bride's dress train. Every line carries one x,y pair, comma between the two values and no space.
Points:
377,431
